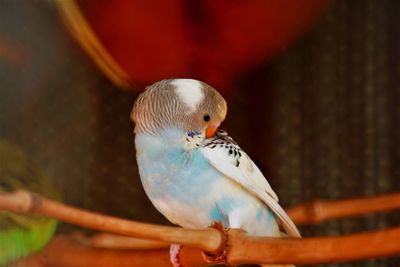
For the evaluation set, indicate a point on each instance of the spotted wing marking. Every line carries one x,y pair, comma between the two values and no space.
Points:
237,156
220,151
223,141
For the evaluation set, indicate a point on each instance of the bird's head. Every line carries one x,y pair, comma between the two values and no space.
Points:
189,105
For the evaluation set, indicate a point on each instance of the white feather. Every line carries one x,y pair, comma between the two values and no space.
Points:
189,91
250,177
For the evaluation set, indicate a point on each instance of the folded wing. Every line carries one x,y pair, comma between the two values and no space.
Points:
228,158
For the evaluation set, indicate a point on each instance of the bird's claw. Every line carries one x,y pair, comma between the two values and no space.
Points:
174,250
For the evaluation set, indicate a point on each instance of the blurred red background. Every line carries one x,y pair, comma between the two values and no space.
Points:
214,41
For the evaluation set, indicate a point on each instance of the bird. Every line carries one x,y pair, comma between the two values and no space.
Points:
194,173
20,234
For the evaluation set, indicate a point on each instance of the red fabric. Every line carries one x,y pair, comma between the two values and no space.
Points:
206,39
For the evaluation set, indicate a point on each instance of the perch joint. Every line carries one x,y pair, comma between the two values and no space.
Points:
218,256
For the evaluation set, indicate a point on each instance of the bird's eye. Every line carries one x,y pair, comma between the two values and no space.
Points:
206,117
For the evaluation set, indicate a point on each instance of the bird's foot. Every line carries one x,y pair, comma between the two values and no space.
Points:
174,250
218,256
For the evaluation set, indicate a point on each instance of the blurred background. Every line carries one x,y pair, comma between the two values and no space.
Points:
313,90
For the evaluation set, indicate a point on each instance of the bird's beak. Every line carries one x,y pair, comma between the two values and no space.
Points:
211,129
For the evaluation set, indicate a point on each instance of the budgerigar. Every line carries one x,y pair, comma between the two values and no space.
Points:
195,174
21,235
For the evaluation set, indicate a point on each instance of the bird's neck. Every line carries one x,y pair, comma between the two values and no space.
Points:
165,140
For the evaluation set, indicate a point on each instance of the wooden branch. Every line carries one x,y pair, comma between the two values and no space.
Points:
319,211
21,201
310,213
241,247
81,31
66,251
316,250
111,241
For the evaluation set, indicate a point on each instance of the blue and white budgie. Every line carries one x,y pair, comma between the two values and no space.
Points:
195,174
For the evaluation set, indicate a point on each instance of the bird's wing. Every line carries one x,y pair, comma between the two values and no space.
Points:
226,156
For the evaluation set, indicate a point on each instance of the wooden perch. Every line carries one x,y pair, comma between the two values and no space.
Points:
21,201
319,211
316,250
106,240
303,214
241,248
67,251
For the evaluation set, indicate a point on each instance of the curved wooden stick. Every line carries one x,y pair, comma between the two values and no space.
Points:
67,251
111,241
310,213
21,201
319,211
316,250
82,32
242,248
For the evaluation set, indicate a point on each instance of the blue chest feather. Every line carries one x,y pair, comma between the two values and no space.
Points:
189,191
167,169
